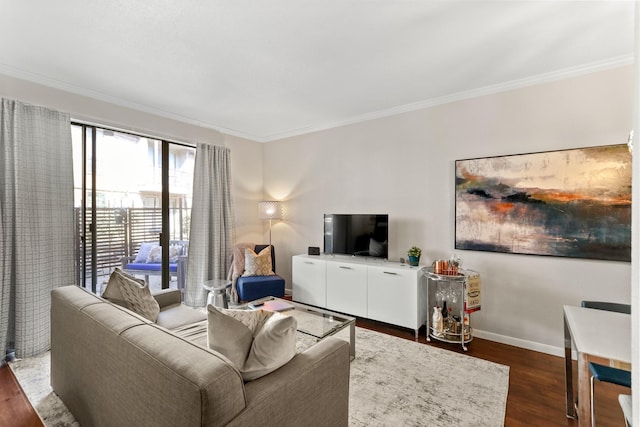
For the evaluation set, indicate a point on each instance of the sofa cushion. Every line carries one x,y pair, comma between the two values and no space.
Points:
256,342
257,264
176,315
137,296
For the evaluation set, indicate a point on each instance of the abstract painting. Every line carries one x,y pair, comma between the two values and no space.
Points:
569,203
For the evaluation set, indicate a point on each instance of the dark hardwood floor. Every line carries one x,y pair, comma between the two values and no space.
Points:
536,386
15,409
536,381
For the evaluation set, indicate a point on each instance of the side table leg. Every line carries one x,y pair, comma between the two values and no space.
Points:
352,339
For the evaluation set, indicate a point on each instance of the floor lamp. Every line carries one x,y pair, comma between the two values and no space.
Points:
270,210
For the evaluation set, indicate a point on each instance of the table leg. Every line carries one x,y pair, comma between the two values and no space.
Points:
352,339
568,372
584,391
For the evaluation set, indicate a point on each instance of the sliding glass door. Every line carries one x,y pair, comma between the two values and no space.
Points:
133,206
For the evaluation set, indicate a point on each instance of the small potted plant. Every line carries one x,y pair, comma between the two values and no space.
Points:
414,255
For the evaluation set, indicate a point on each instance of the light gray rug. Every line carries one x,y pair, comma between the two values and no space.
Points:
393,382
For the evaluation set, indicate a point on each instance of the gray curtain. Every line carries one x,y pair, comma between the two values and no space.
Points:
36,222
212,222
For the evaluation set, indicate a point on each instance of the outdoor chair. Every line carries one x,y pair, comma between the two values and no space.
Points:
148,261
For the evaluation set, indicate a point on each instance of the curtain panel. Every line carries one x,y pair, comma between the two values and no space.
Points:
212,222
36,222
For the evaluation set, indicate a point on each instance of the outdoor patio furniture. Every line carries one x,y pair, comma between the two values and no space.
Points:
148,261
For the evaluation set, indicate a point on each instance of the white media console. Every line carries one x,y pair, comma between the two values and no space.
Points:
386,291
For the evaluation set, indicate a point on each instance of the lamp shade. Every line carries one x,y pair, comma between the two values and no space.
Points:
270,210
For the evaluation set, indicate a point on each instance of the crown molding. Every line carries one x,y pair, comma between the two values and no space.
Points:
120,102
474,93
428,103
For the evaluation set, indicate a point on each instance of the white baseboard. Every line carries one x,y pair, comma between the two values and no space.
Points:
517,342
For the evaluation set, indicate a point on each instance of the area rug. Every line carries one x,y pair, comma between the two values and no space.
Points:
393,382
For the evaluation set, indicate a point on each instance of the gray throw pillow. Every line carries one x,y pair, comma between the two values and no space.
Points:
257,342
136,295
112,291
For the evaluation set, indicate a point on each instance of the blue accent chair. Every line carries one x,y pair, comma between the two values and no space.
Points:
602,372
255,287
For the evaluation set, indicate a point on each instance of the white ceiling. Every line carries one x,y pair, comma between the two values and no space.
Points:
267,69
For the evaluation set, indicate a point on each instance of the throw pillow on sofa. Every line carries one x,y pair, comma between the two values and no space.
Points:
112,291
134,292
258,264
256,342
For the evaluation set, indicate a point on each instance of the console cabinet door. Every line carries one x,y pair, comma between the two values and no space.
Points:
347,288
392,296
309,280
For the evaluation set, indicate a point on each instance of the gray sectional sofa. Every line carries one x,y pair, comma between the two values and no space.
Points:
112,367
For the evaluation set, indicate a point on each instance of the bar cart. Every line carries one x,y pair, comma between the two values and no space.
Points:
460,293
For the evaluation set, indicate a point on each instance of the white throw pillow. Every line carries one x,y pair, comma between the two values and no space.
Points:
258,264
228,336
272,347
155,255
257,342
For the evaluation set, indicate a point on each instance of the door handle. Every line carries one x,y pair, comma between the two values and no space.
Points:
345,267
390,272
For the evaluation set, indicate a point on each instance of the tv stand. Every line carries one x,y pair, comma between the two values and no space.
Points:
385,291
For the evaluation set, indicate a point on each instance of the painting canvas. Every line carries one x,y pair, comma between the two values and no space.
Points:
569,203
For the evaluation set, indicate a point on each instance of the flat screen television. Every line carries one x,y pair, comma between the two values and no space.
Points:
363,235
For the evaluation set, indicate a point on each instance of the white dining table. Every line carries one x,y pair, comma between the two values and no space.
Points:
598,336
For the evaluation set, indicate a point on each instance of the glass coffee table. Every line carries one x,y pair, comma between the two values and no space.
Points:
316,322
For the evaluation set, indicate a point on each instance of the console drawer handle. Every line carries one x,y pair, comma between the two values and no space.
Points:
308,262
390,272
345,267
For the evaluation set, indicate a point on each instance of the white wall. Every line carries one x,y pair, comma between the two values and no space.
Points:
404,166
246,156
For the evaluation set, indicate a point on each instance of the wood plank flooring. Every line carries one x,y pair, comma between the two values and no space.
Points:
536,381
15,409
536,386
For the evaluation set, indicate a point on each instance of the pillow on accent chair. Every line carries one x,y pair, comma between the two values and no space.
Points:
257,264
134,292
257,342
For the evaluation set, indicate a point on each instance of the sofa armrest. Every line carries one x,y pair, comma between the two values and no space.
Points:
312,389
168,297
124,261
